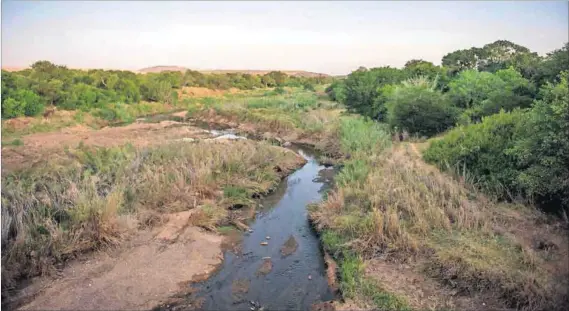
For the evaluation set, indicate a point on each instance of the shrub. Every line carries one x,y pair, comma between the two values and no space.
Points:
362,90
420,110
279,90
481,148
22,102
34,103
519,152
484,93
12,108
115,113
542,149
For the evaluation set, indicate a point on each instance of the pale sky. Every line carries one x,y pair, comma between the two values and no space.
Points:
324,36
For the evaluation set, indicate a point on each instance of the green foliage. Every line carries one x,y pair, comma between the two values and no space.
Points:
484,93
516,152
12,108
481,148
97,89
361,135
363,90
15,142
550,68
279,90
492,57
354,171
116,113
419,109
542,147
21,102
335,91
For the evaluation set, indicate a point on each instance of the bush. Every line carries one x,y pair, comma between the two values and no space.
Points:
420,110
34,103
484,93
363,90
481,148
524,153
279,90
542,149
12,108
115,113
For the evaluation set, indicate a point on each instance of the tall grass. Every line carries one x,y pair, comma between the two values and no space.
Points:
76,204
388,203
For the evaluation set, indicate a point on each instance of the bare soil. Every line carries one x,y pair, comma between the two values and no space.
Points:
38,146
143,273
423,293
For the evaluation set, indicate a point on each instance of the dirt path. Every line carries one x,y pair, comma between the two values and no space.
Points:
144,273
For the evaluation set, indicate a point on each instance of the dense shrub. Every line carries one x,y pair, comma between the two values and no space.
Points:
519,152
542,147
12,108
364,90
481,148
484,93
419,109
22,102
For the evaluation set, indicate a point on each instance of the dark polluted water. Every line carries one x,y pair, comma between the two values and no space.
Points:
262,277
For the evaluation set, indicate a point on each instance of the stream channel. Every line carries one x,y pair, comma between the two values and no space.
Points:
288,273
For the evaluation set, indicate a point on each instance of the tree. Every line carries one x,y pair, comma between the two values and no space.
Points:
554,63
419,67
500,55
461,60
417,107
542,147
268,81
363,90
483,93
278,76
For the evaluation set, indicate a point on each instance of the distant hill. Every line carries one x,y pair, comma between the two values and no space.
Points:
162,68
297,73
11,69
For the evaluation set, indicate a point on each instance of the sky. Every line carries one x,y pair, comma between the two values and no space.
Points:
331,37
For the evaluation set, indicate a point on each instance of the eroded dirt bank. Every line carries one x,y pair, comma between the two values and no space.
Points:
38,146
139,275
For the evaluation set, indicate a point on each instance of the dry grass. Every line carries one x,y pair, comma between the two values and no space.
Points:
296,116
64,207
391,205
61,119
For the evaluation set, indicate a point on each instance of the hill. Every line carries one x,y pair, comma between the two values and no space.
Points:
296,73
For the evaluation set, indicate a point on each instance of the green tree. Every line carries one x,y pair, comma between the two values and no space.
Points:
417,107
549,70
542,147
461,60
363,90
485,93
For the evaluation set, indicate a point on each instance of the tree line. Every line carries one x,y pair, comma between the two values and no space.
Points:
503,108
29,91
